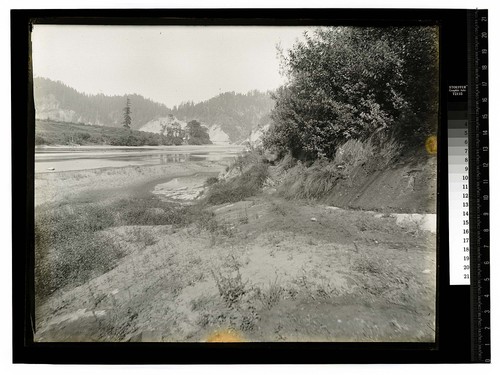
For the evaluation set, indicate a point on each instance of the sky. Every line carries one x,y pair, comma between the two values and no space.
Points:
168,64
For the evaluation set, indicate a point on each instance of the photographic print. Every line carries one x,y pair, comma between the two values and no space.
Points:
235,183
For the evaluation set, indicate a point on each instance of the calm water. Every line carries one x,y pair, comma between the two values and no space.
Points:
59,159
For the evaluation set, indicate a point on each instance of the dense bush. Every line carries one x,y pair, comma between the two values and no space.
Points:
239,187
350,83
197,134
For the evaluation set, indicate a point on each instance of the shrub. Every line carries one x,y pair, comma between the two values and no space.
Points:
231,288
349,82
312,182
69,248
353,153
240,187
211,181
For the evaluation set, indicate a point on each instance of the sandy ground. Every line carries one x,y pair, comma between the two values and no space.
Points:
282,271
109,183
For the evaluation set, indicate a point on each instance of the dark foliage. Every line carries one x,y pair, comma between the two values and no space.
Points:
351,83
240,187
197,134
127,119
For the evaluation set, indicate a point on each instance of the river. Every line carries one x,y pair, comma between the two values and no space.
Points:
60,159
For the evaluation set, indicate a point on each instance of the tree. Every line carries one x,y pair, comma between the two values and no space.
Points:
127,120
197,134
350,83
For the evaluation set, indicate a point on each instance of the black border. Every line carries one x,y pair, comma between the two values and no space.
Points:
453,343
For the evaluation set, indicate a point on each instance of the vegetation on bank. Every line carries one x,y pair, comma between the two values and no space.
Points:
349,83
49,132
72,247
354,98
59,102
251,171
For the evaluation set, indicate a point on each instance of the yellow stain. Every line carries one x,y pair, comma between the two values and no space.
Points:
431,145
226,335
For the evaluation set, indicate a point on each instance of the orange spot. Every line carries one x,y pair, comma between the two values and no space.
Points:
431,145
227,335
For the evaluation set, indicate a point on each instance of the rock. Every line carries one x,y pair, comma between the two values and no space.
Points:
426,271
314,219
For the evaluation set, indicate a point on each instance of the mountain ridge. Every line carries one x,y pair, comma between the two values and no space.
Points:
230,117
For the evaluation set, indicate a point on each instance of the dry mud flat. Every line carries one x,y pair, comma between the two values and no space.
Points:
279,271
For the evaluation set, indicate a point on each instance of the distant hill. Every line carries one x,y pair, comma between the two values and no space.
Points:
57,101
235,114
229,117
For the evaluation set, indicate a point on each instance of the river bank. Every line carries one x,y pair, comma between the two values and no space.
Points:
112,183
261,269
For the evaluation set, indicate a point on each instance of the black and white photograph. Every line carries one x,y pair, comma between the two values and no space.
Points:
235,183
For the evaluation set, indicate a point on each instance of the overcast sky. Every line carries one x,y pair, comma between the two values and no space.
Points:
169,64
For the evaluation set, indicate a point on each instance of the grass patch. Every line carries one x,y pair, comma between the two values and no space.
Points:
70,247
65,133
312,182
298,180
242,186
211,180
231,287
272,295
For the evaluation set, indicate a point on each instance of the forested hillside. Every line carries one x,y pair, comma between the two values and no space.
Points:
236,114
57,101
